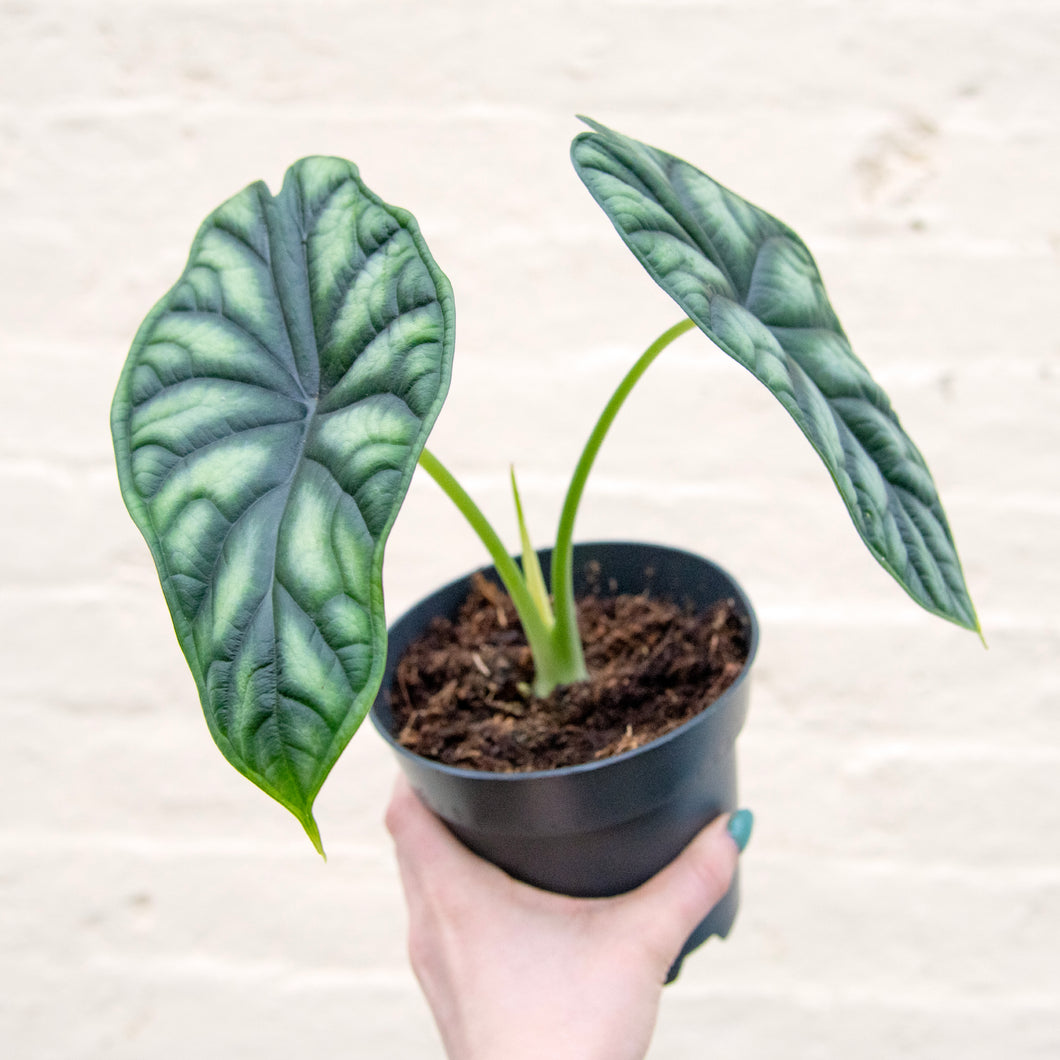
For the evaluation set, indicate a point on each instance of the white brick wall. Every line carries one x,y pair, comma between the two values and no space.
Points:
902,893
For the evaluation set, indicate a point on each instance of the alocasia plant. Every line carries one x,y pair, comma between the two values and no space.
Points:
276,401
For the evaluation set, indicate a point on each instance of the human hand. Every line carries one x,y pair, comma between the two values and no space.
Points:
512,971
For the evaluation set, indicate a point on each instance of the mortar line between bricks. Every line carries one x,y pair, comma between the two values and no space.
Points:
177,848
741,488
1003,877
288,979
810,996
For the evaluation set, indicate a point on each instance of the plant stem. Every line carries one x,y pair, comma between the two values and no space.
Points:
548,671
566,642
556,646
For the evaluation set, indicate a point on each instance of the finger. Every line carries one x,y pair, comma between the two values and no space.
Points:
402,814
423,844
416,832
673,902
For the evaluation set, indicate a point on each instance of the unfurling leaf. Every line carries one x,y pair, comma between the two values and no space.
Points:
535,580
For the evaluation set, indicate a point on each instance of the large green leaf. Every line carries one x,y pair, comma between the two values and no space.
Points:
749,282
266,426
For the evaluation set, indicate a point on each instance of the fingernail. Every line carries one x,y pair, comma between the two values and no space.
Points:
739,827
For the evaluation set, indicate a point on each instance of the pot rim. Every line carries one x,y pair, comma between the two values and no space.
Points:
483,776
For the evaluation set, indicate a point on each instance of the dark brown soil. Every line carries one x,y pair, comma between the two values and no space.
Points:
461,694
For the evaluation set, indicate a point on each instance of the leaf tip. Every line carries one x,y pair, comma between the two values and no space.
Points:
596,128
978,630
311,830
969,621
974,624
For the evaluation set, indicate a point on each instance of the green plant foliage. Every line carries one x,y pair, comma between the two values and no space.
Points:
532,574
266,425
275,403
749,282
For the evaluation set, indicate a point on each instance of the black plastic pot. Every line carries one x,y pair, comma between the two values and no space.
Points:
605,827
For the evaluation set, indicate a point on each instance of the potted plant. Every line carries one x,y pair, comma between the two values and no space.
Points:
275,404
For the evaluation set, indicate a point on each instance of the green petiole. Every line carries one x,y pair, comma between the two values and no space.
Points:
565,634
555,642
548,673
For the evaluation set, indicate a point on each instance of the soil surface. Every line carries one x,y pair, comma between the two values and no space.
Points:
461,693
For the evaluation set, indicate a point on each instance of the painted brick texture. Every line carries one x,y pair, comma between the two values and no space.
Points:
902,891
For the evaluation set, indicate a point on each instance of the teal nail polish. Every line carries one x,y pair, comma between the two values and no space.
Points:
739,827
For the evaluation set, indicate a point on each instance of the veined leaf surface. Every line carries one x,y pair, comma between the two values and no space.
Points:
266,426
749,282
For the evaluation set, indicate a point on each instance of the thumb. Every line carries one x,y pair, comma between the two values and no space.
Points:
428,854
673,902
